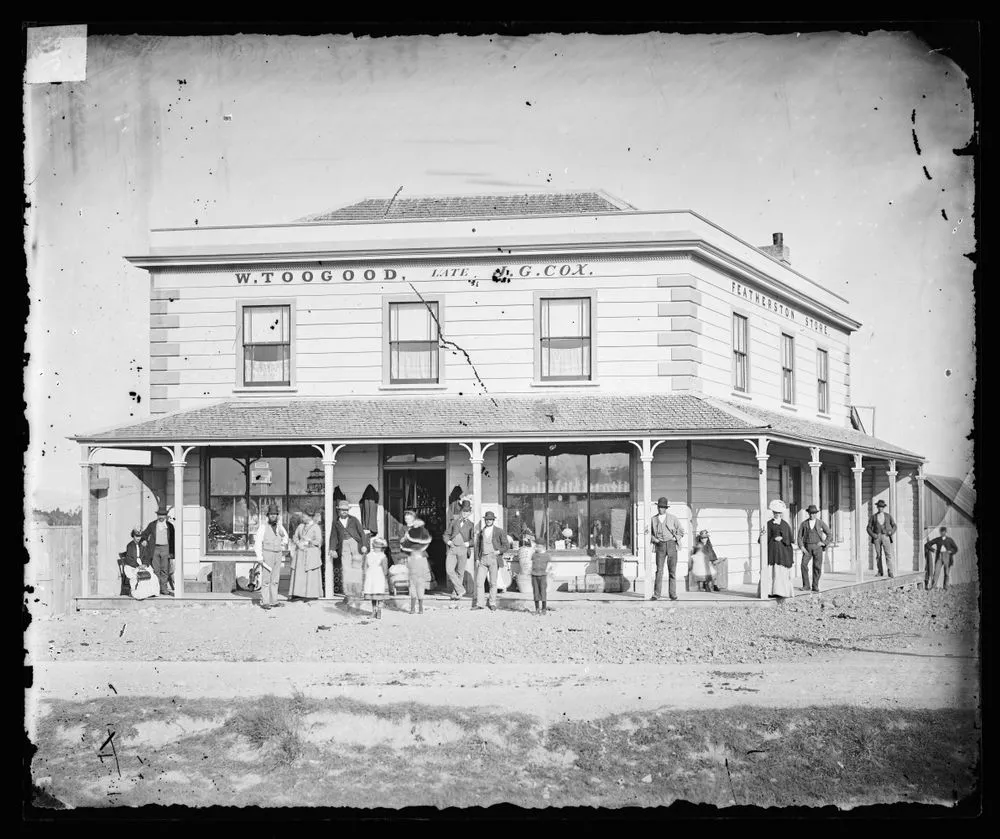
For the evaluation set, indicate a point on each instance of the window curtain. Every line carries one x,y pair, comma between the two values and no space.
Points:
413,334
566,328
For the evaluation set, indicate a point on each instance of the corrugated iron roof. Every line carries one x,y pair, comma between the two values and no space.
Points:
471,206
464,417
402,417
794,426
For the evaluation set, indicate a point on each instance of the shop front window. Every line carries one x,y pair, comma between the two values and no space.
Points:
242,487
570,498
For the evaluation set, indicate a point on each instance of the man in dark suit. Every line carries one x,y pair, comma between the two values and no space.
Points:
942,550
490,543
814,536
881,530
158,541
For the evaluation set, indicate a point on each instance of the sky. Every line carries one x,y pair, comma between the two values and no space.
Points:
822,136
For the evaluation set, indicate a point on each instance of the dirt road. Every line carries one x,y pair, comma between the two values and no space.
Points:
923,678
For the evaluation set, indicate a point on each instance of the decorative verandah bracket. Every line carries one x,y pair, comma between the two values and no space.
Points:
859,526
759,447
647,450
329,452
476,450
892,474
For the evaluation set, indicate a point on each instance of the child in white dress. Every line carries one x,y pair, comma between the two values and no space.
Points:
375,570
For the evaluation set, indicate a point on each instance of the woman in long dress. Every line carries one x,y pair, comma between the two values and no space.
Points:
142,581
780,552
307,562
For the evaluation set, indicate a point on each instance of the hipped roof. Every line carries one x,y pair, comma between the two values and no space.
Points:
397,418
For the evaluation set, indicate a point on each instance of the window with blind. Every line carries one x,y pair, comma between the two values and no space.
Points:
413,343
565,339
823,381
741,354
787,369
267,346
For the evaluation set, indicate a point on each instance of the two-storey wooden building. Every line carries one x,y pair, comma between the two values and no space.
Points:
563,357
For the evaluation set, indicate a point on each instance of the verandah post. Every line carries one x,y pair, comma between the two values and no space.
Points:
329,454
85,521
859,525
760,449
646,456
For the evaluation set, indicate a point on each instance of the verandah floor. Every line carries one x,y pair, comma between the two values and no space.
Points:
742,594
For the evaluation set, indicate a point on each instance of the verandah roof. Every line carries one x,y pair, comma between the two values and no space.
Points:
400,418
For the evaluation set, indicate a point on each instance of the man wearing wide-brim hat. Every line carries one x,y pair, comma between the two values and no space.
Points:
665,532
881,530
158,541
813,538
349,542
270,545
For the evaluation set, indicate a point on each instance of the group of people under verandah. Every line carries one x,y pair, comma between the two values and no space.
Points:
147,562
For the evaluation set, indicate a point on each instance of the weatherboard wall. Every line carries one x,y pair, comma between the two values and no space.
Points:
660,324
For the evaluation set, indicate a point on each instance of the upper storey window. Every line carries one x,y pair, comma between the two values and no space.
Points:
413,343
787,369
267,346
741,353
565,339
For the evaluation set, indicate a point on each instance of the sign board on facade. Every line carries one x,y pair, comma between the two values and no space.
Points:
776,306
122,457
483,273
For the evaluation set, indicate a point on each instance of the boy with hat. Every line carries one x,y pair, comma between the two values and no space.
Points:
881,529
489,546
458,538
665,533
270,545
158,539
813,538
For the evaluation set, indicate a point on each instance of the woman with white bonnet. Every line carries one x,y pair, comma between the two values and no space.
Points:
780,551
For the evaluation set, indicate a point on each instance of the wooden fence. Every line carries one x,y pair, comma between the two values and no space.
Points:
53,569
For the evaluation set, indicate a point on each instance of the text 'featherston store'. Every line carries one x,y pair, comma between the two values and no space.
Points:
562,358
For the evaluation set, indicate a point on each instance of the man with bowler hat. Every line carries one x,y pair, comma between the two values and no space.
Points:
458,538
665,533
813,539
881,529
158,540
489,547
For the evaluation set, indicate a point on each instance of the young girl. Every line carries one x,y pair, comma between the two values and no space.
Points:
375,571
703,562
415,541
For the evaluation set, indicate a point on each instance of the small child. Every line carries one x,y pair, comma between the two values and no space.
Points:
375,571
703,561
540,568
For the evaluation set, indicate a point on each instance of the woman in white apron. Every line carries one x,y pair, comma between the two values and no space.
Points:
142,581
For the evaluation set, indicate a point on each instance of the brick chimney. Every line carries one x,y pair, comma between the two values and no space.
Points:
777,249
